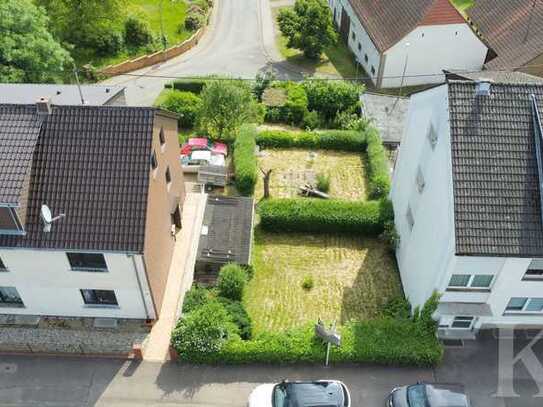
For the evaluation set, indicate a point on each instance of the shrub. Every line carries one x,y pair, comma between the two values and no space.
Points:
323,182
427,311
195,298
245,160
329,98
350,121
397,308
262,82
203,4
137,32
185,104
203,331
385,341
105,42
390,235
239,316
294,109
194,21
324,216
326,140
231,281
378,166
308,283
189,85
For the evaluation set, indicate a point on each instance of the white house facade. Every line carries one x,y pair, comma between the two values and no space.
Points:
406,43
468,217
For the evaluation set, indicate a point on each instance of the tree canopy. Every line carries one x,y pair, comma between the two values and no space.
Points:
28,51
308,27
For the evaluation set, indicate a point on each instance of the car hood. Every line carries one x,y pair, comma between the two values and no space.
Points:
261,396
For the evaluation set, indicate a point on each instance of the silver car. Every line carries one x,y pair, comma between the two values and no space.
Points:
428,395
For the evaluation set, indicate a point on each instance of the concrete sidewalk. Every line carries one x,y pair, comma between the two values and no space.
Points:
156,346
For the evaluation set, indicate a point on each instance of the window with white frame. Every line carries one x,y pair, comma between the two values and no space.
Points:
432,136
471,281
462,322
535,270
524,305
410,218
99,297
420,180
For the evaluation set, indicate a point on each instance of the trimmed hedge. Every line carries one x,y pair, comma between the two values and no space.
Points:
378,166
324,216
245,164
295,108
384,341
326,140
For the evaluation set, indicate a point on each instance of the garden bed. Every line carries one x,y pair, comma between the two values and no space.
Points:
353,277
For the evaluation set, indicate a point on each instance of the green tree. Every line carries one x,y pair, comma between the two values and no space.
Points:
308,27
28,51
226,105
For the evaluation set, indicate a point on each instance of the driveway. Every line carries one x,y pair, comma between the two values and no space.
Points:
239,43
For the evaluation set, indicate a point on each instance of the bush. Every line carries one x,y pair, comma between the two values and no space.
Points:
326,140
324,216
329,98
245,160
194,21
427,311
137,32
185,104
308,283
239,316
231,281
390,235
323,182
311,120
378,166
105,42
294,109
194,85
350,121
385,341
195,298
203,331
397,308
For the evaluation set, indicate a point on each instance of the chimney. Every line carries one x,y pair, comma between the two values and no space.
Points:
43,106
482,88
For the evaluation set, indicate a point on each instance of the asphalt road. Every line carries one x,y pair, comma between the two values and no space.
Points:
48,381
239,43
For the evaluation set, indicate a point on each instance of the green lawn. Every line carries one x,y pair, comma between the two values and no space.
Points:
463,5
353,277
336,60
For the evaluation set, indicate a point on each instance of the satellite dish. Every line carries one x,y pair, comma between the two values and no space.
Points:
47,218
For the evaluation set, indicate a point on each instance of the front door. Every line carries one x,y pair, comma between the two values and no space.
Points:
345,26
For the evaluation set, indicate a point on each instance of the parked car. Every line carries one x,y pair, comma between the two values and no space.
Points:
202,143
328,393
428,395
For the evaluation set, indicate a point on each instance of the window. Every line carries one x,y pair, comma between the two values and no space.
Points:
154,162
535,270
161,137
87,261
2,266
420,180
359,47
521,304
168,176
366,57
516,304
432,136
471,281
372,70
9,296
353,36
410,219
462,322
99,297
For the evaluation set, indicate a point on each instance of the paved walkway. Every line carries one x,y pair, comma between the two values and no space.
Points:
156,347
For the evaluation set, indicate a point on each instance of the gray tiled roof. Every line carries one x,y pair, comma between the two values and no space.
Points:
494,76
19,131
227,228
29,93
91,163
495,175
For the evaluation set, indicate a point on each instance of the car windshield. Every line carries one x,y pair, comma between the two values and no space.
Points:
316,394
416,396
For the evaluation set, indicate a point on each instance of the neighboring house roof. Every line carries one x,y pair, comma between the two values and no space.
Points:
226,231
513,29
92,164
388,21
494,76
28,93
19,131
496,191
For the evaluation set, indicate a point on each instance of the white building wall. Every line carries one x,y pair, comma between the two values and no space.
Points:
432,49
367,48
48,286
426,251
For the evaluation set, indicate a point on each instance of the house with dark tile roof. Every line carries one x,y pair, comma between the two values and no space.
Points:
513,31
88,199
400,42
467,195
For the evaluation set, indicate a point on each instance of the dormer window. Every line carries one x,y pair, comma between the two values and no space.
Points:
9,222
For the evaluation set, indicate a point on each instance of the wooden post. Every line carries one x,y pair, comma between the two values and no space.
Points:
267,175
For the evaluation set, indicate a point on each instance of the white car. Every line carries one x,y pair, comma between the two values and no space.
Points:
328,393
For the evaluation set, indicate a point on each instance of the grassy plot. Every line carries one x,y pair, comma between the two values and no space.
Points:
351,278
292,168
463,5
337,60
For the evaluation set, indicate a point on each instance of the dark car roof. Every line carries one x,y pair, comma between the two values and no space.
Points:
314,394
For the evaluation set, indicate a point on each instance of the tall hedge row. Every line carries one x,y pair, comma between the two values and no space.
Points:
326,140
378,166
384,341
245,165
324,216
